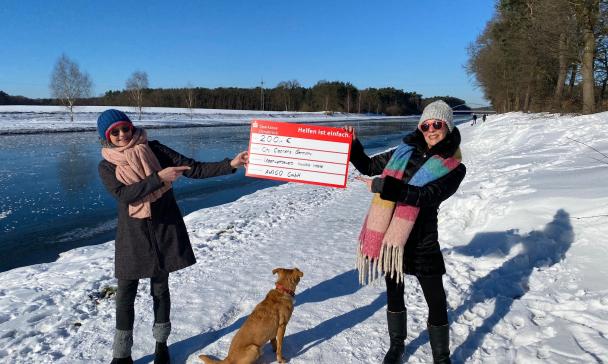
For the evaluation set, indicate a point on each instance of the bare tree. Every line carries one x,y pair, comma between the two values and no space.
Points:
135,86
68,83
190,98
262,95
283,91
530,48
563,71
348,100
601,67
587,12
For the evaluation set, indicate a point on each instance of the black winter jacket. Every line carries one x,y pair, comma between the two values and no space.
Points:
422,255
159,244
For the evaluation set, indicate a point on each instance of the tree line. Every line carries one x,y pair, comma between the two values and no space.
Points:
70,86
6,99
544,55
329,96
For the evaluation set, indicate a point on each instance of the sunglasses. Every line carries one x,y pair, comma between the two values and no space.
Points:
116,131
437,125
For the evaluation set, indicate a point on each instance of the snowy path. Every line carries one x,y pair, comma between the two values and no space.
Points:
524,243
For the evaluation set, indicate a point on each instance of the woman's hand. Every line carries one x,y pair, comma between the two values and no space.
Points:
367,181
170,174
350,129
240,160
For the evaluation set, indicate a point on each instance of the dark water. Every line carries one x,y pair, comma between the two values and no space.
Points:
51,198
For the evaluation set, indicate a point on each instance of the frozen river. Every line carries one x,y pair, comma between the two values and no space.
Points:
51,198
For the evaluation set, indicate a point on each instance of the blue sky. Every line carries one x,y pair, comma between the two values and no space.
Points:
412,45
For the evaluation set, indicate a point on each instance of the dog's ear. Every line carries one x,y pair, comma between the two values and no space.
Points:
276,270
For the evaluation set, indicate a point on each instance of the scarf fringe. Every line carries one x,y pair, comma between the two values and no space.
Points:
390,262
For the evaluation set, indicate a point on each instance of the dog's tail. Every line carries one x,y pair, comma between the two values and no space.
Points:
208,360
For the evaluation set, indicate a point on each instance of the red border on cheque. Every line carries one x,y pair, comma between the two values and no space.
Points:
302,153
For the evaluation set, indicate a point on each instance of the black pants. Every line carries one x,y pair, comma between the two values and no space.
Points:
125,301
434,294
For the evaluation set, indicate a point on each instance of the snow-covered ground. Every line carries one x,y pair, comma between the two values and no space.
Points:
21,119
524,240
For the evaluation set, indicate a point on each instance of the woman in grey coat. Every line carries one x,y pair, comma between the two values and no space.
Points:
151,237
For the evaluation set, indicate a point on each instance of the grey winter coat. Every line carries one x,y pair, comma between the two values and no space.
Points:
159,244
422,254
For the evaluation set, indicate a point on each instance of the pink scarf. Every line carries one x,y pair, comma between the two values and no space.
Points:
134,162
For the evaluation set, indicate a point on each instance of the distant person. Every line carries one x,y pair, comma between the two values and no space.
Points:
474,119
151,238
399,235
483,118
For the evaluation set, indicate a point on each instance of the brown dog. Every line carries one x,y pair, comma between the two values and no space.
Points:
266,323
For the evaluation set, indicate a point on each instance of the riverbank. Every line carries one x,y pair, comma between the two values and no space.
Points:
54,119
523,239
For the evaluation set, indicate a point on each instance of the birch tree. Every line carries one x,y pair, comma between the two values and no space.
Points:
68,83
190,98
135,86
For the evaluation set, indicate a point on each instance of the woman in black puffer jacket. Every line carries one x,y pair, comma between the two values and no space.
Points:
435,137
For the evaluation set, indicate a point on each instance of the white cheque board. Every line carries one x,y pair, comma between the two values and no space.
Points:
299,153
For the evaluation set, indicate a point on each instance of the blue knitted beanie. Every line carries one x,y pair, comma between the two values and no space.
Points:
109,119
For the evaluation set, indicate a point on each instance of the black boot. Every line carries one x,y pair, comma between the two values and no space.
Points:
161,354
126,360
397,331
439,336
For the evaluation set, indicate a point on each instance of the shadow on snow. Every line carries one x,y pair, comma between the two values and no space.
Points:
510,281
341,285
505,284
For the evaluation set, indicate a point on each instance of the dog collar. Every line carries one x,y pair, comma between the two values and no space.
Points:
283,289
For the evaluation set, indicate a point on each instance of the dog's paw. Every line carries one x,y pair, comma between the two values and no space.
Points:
281,360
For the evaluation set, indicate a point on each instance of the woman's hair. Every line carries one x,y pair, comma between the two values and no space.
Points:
106,143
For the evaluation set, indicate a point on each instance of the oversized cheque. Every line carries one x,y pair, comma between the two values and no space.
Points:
299,153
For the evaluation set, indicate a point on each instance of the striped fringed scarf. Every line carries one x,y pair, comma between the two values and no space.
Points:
388,224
